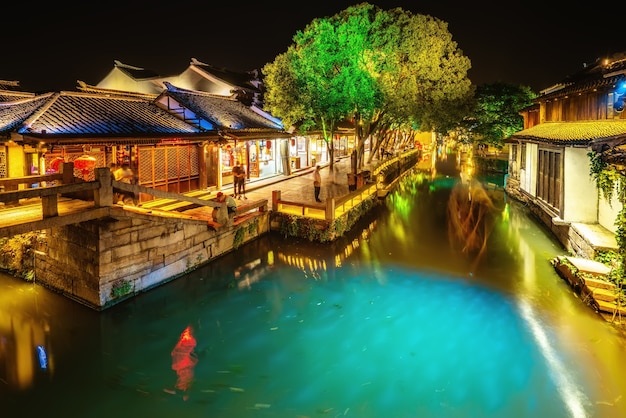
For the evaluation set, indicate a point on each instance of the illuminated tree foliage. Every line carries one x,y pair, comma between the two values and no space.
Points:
496,113
387,71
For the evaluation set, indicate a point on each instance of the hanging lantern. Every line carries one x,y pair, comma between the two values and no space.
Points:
55,163
85,164
293,142
268,144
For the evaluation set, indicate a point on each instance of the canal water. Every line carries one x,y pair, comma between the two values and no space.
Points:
442,303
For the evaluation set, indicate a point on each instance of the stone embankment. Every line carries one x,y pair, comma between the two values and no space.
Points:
103,262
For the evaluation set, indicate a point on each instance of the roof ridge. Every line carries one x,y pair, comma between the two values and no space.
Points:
90,88
170,87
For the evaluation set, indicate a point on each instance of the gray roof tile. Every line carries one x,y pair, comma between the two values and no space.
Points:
223,112
94,114
14,113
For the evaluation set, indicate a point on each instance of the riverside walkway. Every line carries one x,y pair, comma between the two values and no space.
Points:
28,213
297,187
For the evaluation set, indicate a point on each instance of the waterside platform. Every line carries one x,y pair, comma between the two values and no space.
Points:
589,280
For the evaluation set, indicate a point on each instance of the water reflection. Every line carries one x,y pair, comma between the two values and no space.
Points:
184,360
393,320
24,339
471,217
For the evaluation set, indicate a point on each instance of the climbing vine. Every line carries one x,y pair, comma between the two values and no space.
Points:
253,227
238,240
322,230
609,181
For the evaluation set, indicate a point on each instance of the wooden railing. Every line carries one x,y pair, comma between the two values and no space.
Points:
100,191
336,207
333,207
103,188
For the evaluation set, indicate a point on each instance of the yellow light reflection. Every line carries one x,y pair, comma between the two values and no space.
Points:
571,395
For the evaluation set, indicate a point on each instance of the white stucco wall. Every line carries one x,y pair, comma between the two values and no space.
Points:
608,211
580,196
528,175
193,80
118,80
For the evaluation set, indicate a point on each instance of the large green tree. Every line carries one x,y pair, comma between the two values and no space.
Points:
323,77
385,70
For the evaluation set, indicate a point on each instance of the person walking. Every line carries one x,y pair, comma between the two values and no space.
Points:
317,183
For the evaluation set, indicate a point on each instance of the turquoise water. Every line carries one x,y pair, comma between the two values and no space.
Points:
392,321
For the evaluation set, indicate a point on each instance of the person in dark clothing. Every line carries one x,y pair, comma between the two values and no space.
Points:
240,181
317,183
236,179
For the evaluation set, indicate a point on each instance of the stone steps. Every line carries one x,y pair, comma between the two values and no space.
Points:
599,283
611,308
607,295
592,283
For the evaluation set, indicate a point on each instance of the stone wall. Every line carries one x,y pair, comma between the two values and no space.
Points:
101,263
574,241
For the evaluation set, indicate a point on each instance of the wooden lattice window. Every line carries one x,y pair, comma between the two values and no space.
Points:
549,177
163,165
4,172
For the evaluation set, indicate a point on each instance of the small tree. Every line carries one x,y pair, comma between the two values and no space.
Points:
496,112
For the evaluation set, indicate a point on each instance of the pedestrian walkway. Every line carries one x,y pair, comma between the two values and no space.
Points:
298,186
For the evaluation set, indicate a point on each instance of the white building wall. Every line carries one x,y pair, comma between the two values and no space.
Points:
608,211
528,175
580,196
191,79
116,79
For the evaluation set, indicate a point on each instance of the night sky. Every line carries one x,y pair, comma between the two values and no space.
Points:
48,47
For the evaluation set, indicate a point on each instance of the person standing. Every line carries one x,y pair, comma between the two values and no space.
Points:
237,180
317,183
240,186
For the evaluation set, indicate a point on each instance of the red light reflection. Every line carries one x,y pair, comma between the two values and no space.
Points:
184,359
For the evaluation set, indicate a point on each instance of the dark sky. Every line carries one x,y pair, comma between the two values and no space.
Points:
49,47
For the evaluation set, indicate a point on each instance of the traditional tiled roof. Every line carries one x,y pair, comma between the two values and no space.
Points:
9,84
223,112
243,80
14,113
10,95
81,114
574,133
603,74
9,91
82,86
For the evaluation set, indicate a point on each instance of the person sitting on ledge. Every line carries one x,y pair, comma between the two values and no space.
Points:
231,204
